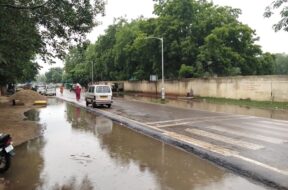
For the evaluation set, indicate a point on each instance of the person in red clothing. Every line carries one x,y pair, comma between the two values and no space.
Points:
61,89
78,91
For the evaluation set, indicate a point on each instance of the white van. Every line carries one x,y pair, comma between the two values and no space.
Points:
41,89
50,90
99,95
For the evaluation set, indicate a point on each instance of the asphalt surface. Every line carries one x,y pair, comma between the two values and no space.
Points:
250,146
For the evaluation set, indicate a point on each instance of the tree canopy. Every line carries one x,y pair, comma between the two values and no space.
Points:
54,75
41,27
280,5
281,66
200,39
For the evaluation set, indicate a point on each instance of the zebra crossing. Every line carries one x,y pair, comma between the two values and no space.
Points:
257,147
271,132
270,126
243,134
231,135
225,139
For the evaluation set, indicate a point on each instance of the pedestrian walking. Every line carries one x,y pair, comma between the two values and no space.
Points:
61,89
78,91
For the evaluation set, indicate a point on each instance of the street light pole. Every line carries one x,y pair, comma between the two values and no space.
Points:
92,72
162,52
162,89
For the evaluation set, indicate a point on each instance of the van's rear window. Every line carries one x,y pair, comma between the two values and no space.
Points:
102,89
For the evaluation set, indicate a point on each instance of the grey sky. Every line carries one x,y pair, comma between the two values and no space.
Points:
252,14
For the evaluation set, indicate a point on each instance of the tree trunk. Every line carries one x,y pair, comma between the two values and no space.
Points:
2,90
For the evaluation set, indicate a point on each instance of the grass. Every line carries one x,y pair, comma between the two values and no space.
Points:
248,103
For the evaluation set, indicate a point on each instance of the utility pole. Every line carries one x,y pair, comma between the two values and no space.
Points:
92,73
162,58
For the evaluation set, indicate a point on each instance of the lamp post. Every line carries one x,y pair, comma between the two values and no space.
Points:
162,51
92,73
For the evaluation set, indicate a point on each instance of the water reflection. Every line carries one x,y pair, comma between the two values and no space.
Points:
80,150
82,120
225,108
26,166
72,184
32,115
173,169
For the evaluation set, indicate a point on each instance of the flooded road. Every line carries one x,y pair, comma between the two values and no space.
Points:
79,150
219,108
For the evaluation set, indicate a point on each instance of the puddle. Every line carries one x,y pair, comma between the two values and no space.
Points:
79,150
32,115
224,108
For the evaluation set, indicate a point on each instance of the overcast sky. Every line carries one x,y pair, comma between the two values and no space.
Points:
252,14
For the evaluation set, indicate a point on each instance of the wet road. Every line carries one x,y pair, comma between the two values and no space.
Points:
81,150
253,146
219,108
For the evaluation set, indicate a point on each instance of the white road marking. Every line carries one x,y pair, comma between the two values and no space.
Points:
250,135
275,129
201,144
279,123
194,119
225,139
223,151
283,172
168,121
173,124
256,129
197,121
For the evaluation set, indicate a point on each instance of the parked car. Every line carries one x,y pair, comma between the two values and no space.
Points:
99,95
41,89
50,90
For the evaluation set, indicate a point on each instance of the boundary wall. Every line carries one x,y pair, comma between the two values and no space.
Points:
260,88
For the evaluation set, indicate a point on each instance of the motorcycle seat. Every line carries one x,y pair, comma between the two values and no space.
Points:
4,137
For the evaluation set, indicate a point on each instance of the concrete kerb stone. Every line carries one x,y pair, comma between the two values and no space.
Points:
215,158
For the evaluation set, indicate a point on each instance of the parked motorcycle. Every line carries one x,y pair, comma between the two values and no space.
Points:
6,152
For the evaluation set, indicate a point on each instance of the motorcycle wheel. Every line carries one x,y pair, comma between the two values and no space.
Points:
4,162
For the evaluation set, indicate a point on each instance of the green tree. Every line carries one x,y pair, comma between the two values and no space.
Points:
230,50
185,25
266,64
19,43
54,75
276,5
41,78
45,28
186,71
200,39
76,64
281,65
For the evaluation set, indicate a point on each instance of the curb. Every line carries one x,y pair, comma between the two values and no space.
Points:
187,147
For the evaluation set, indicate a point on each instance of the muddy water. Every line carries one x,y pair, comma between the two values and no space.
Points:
79,150
225,108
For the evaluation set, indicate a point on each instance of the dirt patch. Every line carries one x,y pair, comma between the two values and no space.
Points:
12,121
27,97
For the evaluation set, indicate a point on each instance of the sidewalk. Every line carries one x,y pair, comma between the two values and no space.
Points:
251,146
